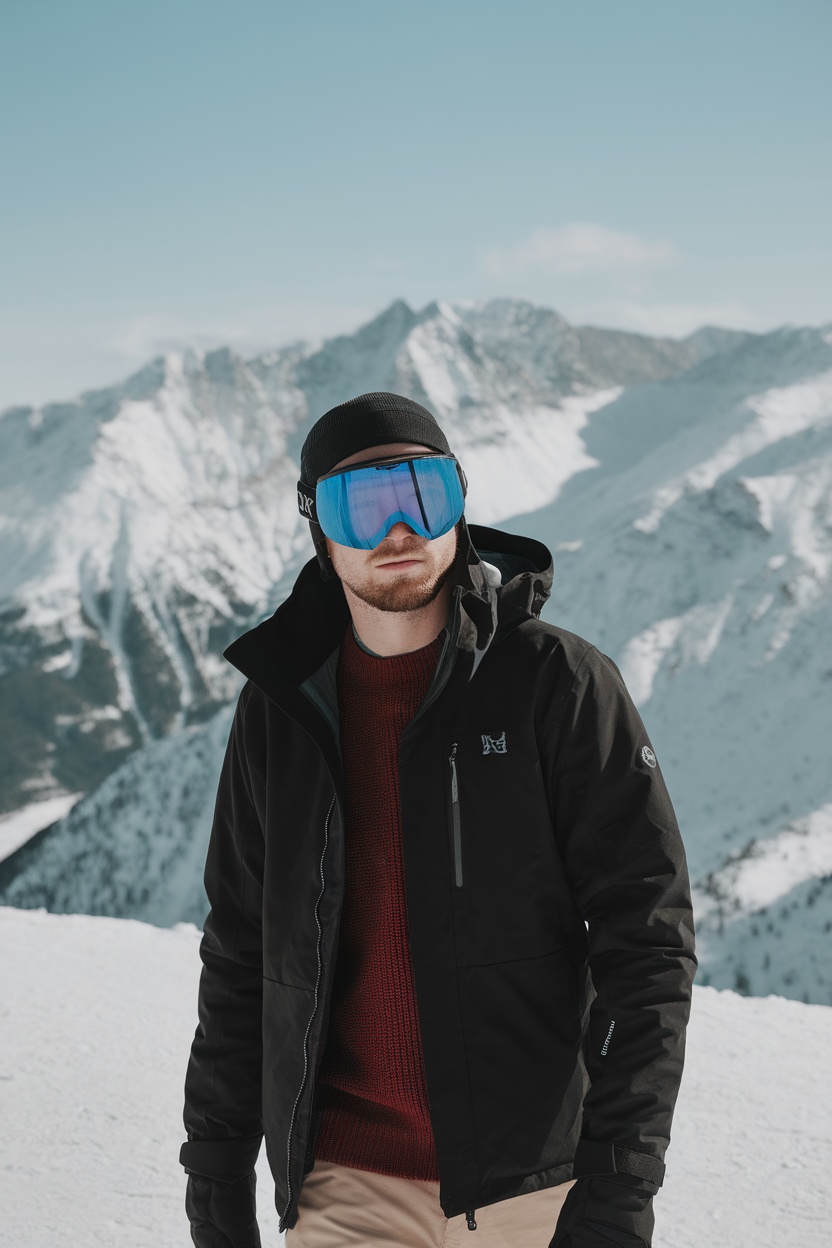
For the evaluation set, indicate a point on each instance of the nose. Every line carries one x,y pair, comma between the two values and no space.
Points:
399,531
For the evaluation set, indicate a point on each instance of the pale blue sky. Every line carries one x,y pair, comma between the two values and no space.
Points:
251,172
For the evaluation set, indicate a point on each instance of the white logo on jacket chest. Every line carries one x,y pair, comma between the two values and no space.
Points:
494,745
648,756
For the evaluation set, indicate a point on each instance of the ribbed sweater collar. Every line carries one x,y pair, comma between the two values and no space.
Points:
376,675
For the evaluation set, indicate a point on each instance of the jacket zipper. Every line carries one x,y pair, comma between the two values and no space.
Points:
311,1018
470,1219
455,819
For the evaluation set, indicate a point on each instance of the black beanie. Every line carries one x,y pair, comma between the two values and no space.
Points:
369,420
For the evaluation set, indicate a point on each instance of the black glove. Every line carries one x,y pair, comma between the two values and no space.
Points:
222,1215
603,1213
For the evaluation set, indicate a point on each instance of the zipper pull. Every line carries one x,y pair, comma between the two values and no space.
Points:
470,1220
454,786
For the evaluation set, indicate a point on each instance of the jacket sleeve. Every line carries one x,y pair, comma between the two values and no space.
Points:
626,866
223,1116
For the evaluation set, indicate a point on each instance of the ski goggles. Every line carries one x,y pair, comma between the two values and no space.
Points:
358,506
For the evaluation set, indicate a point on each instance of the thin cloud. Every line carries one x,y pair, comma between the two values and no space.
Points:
579,247
143,337
671,320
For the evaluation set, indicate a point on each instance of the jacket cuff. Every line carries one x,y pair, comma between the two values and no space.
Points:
597,1158
221,1159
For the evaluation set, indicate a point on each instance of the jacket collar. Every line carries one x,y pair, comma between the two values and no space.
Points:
289,647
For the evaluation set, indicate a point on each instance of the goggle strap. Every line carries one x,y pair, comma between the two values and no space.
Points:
306,501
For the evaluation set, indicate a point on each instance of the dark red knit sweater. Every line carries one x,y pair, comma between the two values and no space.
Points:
375,1104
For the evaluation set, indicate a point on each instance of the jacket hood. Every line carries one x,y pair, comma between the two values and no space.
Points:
502,579
517,570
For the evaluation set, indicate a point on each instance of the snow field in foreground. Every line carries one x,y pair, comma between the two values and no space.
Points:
96,1021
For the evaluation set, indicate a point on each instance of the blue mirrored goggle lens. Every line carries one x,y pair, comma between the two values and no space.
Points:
359,507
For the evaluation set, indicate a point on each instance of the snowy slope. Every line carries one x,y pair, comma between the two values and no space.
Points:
97,1020
134,847
20,826
140,528
698,553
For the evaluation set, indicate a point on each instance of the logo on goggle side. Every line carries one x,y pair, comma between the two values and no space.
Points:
305,504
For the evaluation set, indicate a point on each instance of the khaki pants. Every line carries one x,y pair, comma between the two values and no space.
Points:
345,1208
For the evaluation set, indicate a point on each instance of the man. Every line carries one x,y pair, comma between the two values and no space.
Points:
448,962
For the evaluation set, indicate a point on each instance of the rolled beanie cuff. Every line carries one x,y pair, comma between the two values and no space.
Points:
369,420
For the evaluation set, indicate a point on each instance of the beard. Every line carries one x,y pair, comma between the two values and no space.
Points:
404,592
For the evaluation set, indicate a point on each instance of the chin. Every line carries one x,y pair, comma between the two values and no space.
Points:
402,594
402,597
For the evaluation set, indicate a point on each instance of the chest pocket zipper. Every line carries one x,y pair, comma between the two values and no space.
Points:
455,820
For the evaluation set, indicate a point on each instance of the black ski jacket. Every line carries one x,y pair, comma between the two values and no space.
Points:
549,912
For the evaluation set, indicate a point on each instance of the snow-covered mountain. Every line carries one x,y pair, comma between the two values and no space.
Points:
143,526
93,1048
684,487
699,554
